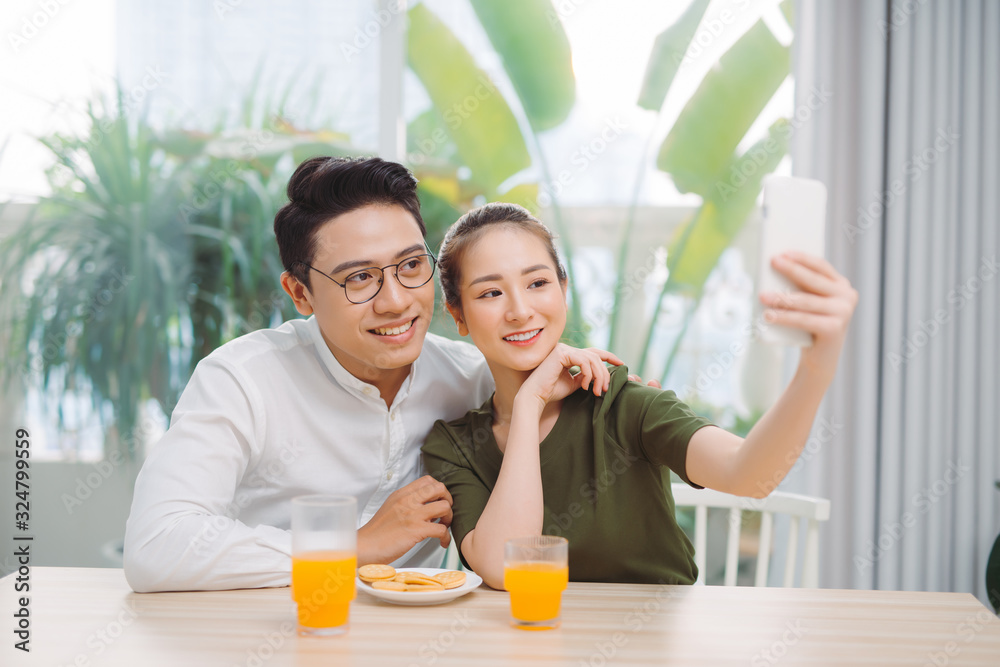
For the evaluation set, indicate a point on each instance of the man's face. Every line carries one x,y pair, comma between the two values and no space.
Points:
361,335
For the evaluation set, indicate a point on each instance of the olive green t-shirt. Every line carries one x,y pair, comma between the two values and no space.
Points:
605,482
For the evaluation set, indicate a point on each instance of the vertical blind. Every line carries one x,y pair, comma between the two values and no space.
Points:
908,147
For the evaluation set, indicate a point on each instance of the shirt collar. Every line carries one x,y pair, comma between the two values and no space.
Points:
339,373
344,378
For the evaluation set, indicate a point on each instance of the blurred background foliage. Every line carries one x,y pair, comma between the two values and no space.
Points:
464,158
156,247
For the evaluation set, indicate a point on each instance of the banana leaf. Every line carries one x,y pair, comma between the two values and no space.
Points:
698,244
477,117
534,48
427,140
668,54
700,145
664,61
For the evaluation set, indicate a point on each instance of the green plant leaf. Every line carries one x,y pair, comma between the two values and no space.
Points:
699,146
525,194
427,139
699,243
126,298
438,214
531,42
668,54
184,143
305,150
476,115
788,9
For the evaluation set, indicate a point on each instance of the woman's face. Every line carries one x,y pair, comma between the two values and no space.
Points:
513,305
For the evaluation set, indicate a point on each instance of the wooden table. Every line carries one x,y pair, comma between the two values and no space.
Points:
82,616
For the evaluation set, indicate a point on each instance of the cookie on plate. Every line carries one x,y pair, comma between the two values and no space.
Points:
375,572
450,579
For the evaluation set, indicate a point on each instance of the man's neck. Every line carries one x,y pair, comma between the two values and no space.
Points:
387,381
390,382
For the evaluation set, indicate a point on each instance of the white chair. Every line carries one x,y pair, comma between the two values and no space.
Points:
797,507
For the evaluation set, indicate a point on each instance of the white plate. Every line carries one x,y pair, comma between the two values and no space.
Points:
472,582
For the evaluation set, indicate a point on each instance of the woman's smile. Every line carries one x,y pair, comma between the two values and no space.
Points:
523,338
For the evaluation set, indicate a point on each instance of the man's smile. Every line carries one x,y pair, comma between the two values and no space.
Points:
394,330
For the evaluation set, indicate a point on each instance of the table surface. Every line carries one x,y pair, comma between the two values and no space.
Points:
87,616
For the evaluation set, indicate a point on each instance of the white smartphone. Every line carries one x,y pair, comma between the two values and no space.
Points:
794,218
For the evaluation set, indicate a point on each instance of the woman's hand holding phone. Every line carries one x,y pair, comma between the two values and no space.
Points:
822,306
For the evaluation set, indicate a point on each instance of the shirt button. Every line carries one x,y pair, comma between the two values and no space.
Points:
392,416
368,391
388,476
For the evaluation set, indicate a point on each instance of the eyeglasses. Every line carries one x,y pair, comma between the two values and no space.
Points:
363,285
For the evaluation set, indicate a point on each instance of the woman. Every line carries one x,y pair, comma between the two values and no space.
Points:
541,457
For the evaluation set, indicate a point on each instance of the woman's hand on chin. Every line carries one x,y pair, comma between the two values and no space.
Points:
552,380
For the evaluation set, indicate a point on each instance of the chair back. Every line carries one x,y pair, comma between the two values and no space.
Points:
798,507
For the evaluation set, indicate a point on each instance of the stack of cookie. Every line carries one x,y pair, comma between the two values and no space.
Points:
385,577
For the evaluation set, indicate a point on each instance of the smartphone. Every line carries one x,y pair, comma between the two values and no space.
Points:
794,218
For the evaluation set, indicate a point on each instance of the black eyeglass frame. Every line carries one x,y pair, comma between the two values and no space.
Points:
381,270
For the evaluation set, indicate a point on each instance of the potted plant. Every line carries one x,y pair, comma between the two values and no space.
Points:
154,248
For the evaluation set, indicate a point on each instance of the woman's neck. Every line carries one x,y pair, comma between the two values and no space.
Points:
508,382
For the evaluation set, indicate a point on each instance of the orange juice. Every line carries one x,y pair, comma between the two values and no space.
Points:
323,587
535,589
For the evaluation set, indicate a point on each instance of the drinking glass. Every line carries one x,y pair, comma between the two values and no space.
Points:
535,573
324,560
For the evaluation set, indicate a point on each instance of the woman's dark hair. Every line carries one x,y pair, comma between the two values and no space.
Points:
323,188
473,225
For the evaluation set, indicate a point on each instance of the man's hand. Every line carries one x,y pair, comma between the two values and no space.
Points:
406,518
652,383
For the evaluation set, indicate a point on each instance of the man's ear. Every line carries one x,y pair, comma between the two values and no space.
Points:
456,314
299,293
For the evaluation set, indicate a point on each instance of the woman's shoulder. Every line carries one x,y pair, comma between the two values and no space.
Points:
463,434
633,398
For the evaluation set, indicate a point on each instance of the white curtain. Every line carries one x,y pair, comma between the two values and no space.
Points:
907,142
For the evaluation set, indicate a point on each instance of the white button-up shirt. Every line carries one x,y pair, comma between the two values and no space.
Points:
270,416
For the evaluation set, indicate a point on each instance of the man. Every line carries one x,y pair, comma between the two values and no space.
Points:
337,403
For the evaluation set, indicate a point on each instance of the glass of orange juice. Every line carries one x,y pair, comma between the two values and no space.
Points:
324,560
535,573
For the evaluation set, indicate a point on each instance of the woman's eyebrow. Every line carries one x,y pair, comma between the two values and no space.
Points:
483,279
497,276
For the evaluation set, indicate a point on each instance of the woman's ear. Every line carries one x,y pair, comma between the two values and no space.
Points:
456,314
300,295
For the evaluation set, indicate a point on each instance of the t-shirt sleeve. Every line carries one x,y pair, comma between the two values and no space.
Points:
447,461
666,425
